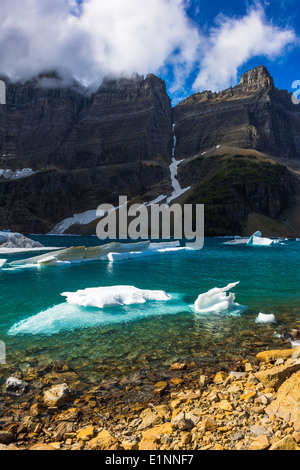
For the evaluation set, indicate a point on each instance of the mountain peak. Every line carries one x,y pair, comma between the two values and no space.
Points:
257,78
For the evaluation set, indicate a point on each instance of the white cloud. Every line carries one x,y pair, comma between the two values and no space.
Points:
98,38
112,37
233,42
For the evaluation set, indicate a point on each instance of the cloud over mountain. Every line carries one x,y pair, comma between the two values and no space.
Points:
95,38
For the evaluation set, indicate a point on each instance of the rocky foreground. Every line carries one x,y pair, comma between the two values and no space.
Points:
256,407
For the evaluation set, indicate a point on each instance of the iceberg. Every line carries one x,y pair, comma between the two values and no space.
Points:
216,300
111,252
257,240
70,317
263,318
101,297
81,253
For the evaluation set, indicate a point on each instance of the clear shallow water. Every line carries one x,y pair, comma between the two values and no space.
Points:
153,334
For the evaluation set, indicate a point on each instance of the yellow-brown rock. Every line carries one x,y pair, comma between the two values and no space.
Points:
86,434
225,405
220,377
176,381
287,443
151,438
128,445
260,443
271,356
103,441
287,404
275,376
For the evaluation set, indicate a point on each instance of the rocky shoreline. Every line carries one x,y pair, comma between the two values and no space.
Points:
256,406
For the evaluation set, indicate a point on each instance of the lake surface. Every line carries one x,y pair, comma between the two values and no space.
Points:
38,326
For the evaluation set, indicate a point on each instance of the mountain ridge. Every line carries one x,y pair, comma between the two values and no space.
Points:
85,149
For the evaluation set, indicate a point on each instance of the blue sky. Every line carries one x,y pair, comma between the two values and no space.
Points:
192,44
285,67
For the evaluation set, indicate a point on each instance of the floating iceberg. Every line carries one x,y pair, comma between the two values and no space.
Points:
263,318
110,252
216,300
257,240
82,253
67,317
102,297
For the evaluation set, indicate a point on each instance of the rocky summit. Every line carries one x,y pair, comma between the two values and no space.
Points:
65,150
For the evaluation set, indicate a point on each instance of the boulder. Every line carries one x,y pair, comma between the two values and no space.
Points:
57,396
275,376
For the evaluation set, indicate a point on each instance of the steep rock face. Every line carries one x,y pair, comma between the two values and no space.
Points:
253,114
36,121
84,150
46,124
126,120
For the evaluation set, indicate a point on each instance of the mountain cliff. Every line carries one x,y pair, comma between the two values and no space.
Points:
66,150
252,115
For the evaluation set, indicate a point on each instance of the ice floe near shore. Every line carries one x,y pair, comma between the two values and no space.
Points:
216,300
102,297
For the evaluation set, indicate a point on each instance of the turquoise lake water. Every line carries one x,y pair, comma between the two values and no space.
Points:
153,334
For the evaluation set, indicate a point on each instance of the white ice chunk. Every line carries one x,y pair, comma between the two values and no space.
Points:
263,318
257,240
2,262
102,297
216,300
